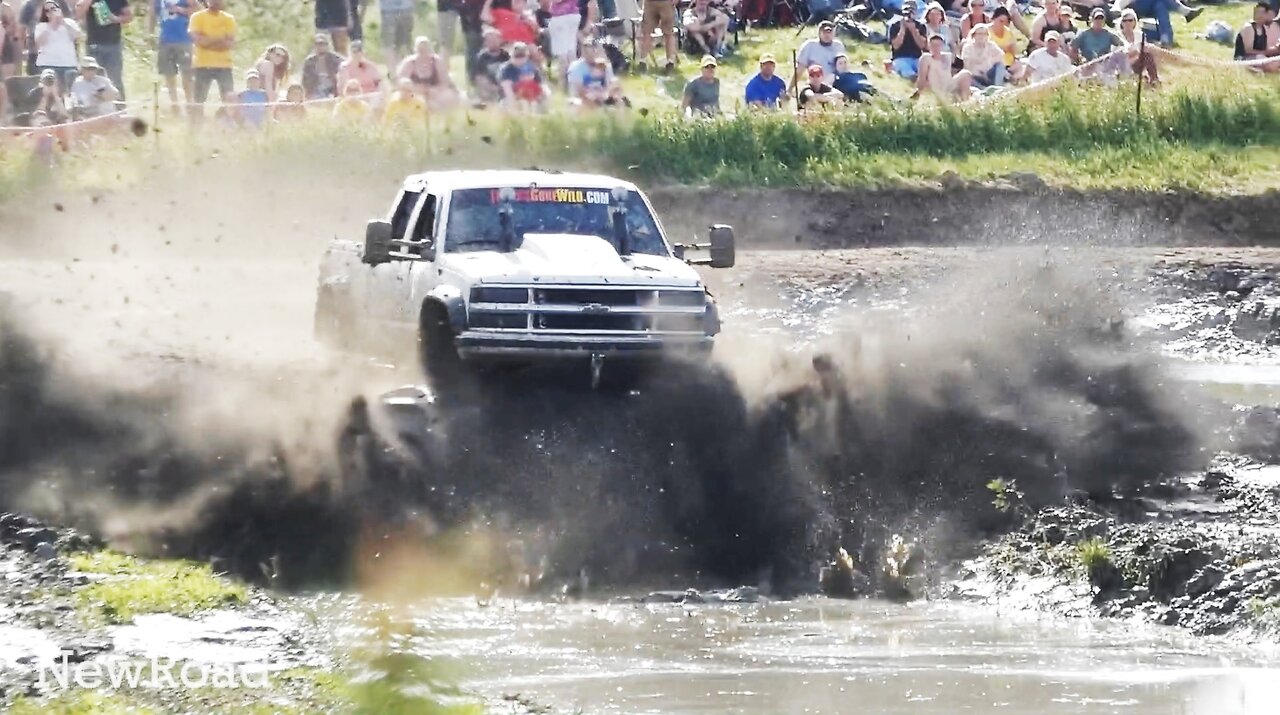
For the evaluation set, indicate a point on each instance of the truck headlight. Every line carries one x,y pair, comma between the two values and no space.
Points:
482,294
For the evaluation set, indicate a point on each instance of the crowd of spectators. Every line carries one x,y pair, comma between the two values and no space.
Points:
519,53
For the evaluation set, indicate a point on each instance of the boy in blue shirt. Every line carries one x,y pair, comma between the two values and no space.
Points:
766,89
173,45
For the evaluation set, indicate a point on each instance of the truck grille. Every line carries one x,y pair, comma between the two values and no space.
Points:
576,310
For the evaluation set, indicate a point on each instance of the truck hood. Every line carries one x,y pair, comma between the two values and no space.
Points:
570,258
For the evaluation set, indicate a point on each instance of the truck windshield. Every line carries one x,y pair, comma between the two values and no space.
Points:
476,225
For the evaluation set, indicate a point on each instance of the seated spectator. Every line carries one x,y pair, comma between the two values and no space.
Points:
359,68
1097,40
253,101
524,85
817,94
702,93
1002,37
906,42
92,94
352,107
1137,59
513,20
977,15
1051,20
1161,11
488,62
320,70
1049,61
430,75
405,108
707,28
1260,39
983,59
936,77
597,90
822,50
765,90
47,97
852,85
580,73
292,109
935,23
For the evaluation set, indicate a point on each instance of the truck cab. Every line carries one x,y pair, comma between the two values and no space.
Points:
524,266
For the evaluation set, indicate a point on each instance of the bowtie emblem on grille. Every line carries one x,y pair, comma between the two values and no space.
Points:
595,309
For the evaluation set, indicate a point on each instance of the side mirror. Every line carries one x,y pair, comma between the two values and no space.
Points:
377,243
722,251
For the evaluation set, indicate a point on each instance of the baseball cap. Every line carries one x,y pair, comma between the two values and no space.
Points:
709,61
357,45
826,25
48,74
89,63
1053,35
767,57
252,74
815,71
1098,12
322,37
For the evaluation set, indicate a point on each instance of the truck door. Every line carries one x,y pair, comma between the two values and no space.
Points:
401,303
381,292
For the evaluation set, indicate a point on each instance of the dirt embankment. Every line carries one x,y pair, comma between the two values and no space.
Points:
804,218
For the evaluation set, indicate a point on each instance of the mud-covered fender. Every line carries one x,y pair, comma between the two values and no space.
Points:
453,301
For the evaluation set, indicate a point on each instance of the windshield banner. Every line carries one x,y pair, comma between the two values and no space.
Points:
557,196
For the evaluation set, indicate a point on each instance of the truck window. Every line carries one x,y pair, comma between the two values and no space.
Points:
426,221
475,223
404,209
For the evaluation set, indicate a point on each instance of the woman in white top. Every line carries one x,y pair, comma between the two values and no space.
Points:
273,68
56,41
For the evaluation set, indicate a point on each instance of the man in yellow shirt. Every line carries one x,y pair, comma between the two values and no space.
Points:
406,108
213,32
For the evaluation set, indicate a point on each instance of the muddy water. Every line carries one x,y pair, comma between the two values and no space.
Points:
822,656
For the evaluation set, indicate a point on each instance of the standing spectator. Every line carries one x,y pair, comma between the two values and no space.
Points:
357,20
173,44
817,93
430,75
448,17
406,108
334,18
765,90
906,42
359,68
47,96
228,115
213,32
935,74
1259,39
273,69
33,13
562,30
707,27
702,93
103,21
983,58
10,43
292,108
488,63
1049,61
472,27
253,101
822,50
523,84
397,29
56,37
92,94
320,70
352,107
658,14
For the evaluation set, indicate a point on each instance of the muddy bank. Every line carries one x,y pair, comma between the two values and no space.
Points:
1005,214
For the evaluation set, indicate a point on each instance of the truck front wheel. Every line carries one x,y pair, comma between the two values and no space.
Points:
436,349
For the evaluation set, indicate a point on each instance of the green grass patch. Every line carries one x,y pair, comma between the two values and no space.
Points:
129,586
78,702
1093,553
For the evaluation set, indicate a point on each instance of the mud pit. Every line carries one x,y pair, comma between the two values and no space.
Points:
174,402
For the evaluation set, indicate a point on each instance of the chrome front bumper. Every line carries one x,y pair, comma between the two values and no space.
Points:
480,344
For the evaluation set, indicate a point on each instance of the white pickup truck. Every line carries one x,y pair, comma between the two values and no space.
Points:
520,266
